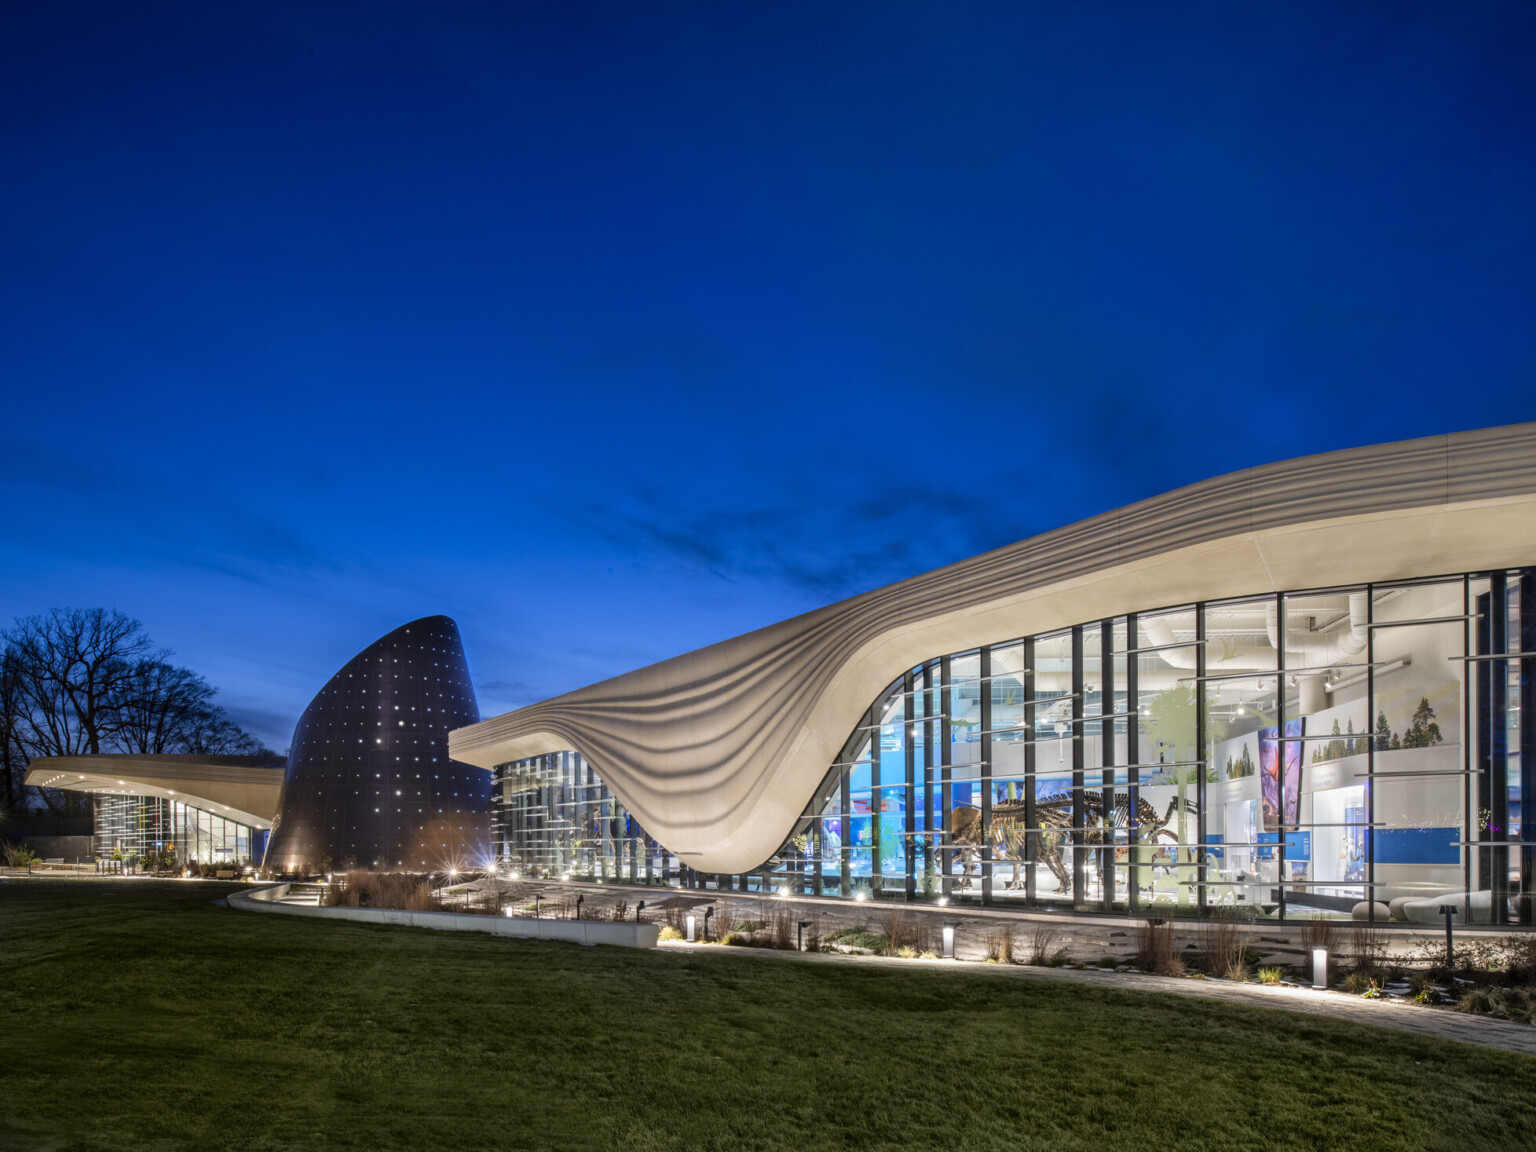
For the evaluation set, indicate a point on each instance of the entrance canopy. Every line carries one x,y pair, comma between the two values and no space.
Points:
246,789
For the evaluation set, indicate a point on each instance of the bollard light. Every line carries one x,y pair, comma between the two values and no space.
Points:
949,941
1449,910
579,900
708,912
800,936
639,909
1319,967
692,920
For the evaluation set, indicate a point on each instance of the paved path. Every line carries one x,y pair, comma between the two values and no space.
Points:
1441,1024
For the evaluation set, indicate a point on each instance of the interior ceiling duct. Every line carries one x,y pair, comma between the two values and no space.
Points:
1301,651
1323,651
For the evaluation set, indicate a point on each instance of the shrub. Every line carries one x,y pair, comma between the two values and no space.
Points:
856,938
18,855
619,912
1270,975
670,933
907,952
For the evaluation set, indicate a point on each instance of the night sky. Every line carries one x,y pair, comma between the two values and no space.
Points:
615,330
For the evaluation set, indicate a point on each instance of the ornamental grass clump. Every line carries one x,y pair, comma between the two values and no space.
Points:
1363,982
1044,950
1221,946
363,889
1154,949
1000,944
1368,946
903,931
1270,975
781,929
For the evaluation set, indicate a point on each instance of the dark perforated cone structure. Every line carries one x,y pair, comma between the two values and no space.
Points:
369,782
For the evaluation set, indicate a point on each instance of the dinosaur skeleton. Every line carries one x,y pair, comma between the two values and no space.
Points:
1011,835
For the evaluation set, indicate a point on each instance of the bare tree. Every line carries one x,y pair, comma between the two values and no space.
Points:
13,760
74,664
83,681
159,707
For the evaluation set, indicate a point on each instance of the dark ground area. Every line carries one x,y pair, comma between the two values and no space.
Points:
141,1015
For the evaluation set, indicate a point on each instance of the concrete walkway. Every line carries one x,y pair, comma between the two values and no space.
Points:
1440,1024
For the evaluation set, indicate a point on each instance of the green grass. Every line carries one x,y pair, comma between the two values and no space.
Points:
139,1015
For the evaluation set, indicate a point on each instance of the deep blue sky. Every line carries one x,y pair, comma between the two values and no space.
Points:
614,330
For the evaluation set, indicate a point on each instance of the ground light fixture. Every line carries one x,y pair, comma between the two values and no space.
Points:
1319,967
800,936
579,900
536,899
692,921
949,941
639,908
708,912
1449,910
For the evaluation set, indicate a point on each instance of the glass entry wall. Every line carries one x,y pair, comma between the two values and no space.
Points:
551,816
134,826
1305,754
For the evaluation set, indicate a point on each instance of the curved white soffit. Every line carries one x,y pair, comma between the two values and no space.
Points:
246,795
716,752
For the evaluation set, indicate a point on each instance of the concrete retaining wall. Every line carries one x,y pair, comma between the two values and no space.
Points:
575,931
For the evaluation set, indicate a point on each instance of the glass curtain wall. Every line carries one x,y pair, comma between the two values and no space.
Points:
132,826
551,816
1332,752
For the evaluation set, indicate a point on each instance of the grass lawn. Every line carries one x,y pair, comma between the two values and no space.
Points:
140,1015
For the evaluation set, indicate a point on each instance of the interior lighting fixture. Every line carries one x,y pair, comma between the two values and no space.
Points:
861,895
